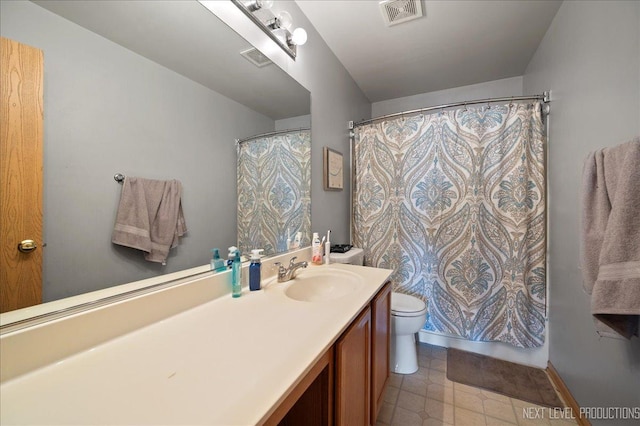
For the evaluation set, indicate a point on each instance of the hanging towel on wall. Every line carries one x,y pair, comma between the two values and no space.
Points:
611,238
150,217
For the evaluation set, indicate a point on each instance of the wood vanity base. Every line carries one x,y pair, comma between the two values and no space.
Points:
346,385
311,401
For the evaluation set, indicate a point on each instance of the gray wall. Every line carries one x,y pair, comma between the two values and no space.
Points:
590,59
301,121
490,89
335,100
109,110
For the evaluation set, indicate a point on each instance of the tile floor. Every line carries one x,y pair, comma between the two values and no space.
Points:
428,398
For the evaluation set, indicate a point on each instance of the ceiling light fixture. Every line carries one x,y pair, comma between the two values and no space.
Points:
298,37
276,26
281,20
259,4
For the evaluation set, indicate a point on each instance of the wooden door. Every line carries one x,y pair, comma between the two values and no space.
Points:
380,345
21,124
353,373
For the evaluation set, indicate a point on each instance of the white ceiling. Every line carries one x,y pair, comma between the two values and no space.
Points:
455,43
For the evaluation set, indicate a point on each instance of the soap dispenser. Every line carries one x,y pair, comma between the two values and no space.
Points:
231,256
255,275
217,264
236,275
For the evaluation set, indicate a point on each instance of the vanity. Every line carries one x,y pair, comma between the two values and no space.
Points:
293,353
173,349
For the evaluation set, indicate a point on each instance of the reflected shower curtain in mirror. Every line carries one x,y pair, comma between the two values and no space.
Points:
454,203
274,191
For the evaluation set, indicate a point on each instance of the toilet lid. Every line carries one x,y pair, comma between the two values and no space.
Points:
403,303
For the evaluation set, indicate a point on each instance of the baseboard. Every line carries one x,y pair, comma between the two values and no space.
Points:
566,396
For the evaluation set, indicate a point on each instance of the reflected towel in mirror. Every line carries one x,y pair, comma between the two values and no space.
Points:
150,217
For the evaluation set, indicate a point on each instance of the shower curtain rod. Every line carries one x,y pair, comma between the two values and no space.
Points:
263,135
544,98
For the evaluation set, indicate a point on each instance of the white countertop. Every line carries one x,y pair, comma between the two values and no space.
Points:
225,362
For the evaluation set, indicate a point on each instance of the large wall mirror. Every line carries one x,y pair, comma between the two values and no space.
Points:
155,89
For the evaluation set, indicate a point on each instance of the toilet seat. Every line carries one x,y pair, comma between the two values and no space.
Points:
403,305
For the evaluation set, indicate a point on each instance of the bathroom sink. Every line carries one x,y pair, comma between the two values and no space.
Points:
323,284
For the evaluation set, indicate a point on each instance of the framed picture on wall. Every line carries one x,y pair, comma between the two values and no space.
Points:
333,170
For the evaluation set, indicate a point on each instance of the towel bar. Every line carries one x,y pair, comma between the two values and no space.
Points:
118,177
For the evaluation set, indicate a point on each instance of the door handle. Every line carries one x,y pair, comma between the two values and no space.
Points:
27,246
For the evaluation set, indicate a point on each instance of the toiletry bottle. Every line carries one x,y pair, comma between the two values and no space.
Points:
231,256
327,248
297,241
217,264
236,276
254,270
316,250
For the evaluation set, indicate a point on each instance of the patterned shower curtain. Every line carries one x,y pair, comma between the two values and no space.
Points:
454,203
274,191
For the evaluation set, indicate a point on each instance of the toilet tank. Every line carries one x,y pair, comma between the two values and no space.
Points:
355,256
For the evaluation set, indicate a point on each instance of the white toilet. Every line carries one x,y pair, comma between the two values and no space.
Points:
408,315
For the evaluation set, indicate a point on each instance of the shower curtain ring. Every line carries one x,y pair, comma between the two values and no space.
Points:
488,105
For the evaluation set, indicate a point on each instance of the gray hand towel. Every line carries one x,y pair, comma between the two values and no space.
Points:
611,238
150,217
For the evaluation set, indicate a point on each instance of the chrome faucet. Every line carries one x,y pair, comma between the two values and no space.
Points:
286,274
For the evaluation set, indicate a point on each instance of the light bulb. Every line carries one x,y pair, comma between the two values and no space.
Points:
260,4
285,20
299,36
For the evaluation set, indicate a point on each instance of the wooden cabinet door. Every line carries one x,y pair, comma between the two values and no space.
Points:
353,373
380,344
21,124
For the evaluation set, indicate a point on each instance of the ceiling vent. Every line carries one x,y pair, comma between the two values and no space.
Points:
256,57
399,11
